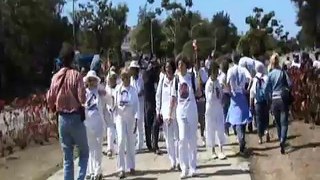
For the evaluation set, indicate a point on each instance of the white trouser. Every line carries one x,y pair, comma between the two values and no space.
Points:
187,143
95,152
126,144
172,139
140,125
111,135
214,128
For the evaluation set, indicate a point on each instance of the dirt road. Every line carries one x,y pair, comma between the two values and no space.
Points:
301,162
34,163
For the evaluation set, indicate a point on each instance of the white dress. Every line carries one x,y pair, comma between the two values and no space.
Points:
95,112
139,86
111,127
187,118
163,100
214,114
126,107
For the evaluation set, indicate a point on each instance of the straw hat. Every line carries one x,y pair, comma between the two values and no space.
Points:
91,74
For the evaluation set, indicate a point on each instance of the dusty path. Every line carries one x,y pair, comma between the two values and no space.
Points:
34,163
300,163
152,167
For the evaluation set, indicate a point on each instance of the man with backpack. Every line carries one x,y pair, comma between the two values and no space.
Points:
259,102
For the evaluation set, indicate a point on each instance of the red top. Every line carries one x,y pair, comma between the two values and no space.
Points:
71,93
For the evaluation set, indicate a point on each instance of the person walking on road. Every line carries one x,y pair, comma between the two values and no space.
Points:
279,88
126,107
66,96
170,126
214,113
259,102
238,113
111,128
95,121
136,81
184,89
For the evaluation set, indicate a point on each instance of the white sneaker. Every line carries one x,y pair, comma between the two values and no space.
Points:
183,175
222,156
203,141
192,172
214,156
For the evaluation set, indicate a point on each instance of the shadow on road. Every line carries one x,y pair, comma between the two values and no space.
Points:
227,172
213,165
305,146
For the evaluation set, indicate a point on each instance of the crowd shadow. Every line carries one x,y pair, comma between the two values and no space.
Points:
205,166
288,138
224,172
140,173
304,146
253,149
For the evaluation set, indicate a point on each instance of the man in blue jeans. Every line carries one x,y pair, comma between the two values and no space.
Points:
66,96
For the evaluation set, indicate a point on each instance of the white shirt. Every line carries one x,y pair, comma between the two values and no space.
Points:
95,111
294,64
163,98
137,84
186,101
213,92
254,85
207,63
126,103
316,64
237,77
222,80
203,75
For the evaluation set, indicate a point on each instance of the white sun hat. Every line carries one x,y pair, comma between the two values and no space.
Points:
91,74
134,64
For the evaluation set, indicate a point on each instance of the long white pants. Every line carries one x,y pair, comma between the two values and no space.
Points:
140,125
187,144
111,136
172,139
126,144
215,128
95,152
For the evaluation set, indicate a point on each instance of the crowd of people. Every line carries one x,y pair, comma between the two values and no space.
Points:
129,107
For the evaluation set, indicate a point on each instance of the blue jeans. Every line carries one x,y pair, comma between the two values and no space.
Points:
281,113
72,132
241,135
262,117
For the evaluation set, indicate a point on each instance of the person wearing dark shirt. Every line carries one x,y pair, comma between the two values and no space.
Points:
152,126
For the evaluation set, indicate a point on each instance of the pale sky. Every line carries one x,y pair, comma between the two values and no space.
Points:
237,9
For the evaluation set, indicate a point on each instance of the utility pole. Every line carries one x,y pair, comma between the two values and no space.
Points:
73,27
151,35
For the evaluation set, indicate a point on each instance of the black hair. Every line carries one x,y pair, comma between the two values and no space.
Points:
213,66
181,57
225,66
66,54
172,64
236,57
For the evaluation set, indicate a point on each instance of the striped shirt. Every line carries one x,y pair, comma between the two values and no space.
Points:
71,93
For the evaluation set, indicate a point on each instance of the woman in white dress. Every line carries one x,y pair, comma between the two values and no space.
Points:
185,86
126,107
136,81
214,112
170,126
111,127
95,112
